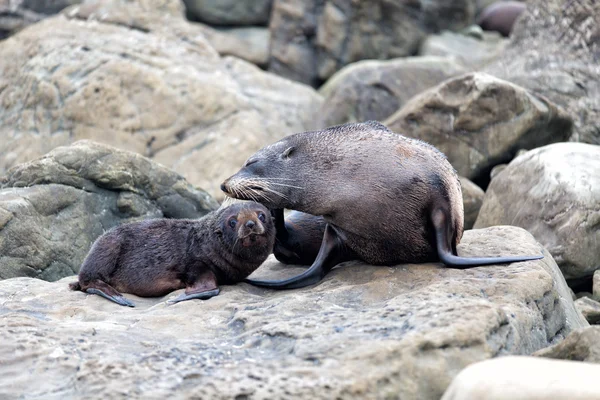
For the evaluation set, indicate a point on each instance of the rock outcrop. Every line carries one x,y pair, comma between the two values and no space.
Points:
374,90
144,81
53,208
312,39
554,51
553,192
364,332
479,121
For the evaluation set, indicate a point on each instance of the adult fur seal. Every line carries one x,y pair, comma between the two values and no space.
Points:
386,198
500,16
154,257
298,238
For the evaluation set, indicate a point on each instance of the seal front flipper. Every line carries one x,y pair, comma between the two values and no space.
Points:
442,228
203,288
103,289
331,253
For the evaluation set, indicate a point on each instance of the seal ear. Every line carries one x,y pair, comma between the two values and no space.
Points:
288,152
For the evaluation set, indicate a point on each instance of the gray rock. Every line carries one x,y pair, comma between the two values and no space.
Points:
250,44
364,332
17,14
53,208
479,121
374,90
554,51
472,200
596,285
589,308
580,345
552,192
142,80
311,40
470,50
525,378
229,12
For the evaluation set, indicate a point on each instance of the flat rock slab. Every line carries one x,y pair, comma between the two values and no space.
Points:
367,332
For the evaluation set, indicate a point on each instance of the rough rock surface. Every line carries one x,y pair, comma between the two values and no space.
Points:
589,308
364,332
229,12
596,285
525,378
312,39
250,44
553,192
555,51
143,81
17,14
473,50
472,200
374,90
479,121
580,345
53,208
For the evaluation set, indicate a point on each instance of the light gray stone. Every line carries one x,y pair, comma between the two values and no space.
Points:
580,345
589,308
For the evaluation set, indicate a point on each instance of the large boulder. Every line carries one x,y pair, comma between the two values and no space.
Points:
374,90
312,39
525,378
364,332
553,192
53,208
479,121
144,81
554,51
472,200
229,12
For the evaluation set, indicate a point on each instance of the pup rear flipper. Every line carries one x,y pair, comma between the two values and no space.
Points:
103,289
203,288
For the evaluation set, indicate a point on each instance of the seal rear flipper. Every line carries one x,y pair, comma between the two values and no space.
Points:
203,288
331,253
103,289
444,247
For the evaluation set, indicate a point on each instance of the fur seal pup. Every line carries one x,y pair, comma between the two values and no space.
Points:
386,198
298,237
500,16
155,257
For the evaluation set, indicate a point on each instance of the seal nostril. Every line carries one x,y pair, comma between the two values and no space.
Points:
250,224
223,187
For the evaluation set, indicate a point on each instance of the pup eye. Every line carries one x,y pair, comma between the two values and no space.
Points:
262,217
233,222
288,152
251,161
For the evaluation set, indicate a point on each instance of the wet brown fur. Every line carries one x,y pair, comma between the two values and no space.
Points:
500,16
155,257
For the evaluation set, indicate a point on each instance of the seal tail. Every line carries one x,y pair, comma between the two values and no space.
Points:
444,248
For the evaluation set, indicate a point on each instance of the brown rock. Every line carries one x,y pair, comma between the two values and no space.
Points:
145,82
589,308
311,40
472,200
552,192
364,332
479,121
374,90
52,209
580,345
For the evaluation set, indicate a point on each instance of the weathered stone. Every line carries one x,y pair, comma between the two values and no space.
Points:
229,12
53,208
580,345
311,40
473,51
17,14
479,121
552,192
364,332
143,81
595,284
525,378
554,51
472,200
374,90
589,308
250,44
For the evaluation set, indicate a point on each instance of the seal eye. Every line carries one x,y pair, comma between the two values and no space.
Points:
288,152
262,217
233,222
251,161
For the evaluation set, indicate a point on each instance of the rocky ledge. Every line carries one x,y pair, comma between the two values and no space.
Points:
369,332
